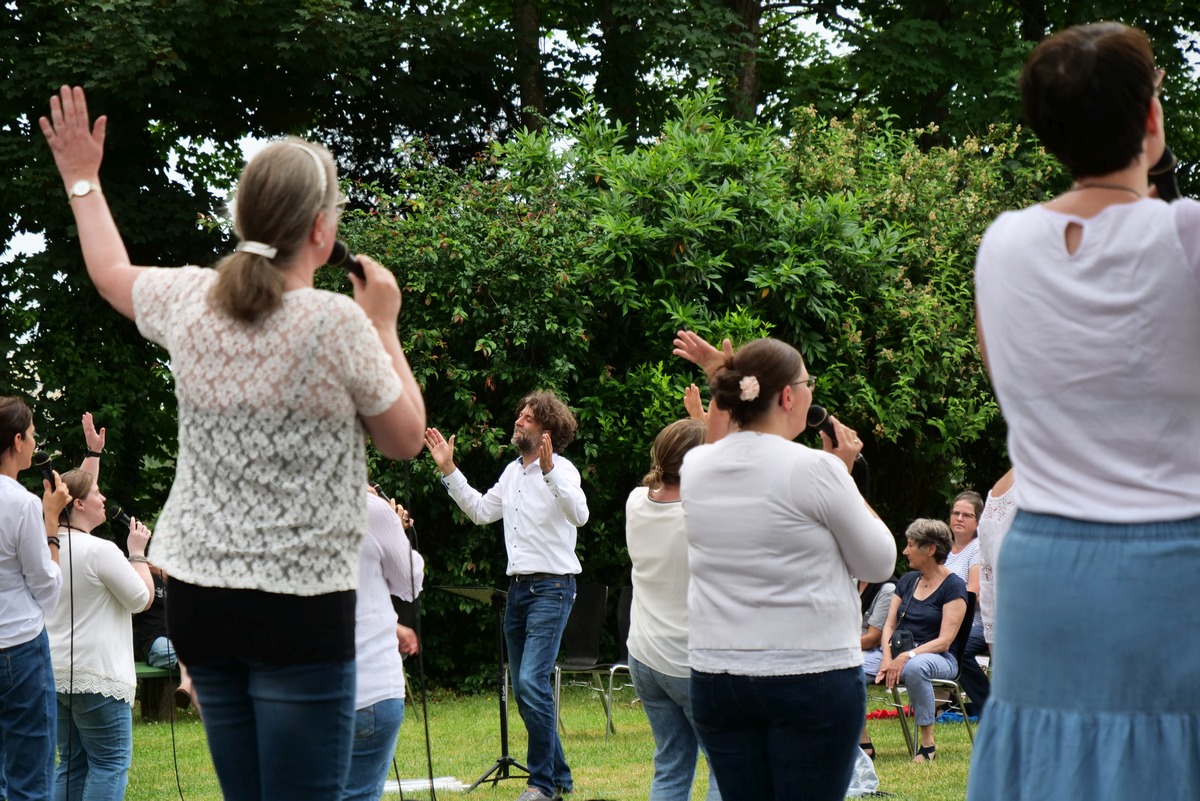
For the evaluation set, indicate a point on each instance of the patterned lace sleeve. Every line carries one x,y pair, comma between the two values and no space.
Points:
993,525
157,294
365,367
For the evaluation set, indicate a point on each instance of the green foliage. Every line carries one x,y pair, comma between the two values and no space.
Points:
540,265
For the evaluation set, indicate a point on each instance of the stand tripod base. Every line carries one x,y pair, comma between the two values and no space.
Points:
500,768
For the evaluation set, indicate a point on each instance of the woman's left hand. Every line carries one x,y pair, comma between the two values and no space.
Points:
78,147
93,438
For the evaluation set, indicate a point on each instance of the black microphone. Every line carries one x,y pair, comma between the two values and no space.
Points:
342,257
117,515
379,491
819,420
41,460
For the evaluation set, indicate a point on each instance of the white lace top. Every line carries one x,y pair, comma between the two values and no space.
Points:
997,516
269,477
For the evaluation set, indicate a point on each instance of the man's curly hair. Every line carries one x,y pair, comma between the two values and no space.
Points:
553,415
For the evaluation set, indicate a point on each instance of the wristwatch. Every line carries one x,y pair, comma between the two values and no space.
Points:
82,187
912,654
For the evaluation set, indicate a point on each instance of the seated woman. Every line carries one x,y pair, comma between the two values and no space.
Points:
965,560
929,602
91,646
876,601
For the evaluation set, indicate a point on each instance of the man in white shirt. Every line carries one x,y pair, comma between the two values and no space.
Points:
541,501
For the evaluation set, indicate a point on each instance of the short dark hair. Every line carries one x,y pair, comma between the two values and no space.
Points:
925,531
773,364
553,415
1085,92
15,418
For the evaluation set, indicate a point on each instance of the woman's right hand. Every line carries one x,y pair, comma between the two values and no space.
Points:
379,296
139,538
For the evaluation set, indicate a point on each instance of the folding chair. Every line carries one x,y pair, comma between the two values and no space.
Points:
957,695
581,646
624,605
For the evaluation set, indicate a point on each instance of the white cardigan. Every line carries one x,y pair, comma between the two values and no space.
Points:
777,534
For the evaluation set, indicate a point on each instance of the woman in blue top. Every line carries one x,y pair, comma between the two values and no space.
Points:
930,602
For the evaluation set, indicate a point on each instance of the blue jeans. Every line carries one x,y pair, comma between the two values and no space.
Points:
375,730
776,737
972,678
915,677
95,747
162,654
534,619
277,732
27,719
668,705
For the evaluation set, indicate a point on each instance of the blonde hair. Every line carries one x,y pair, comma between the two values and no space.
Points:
669,448
80,484
279,194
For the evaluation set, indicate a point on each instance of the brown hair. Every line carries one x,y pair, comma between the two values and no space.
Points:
925,531
552,415
667,452
770,362
15,418
1085,92
279,195
79,484
972,497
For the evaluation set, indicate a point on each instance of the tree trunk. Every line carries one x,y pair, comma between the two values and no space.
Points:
748,31
527,26
617,74
1033,20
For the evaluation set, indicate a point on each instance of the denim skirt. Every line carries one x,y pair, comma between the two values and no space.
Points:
1095,691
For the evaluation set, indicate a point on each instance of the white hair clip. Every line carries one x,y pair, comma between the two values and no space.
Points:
257,248
749,387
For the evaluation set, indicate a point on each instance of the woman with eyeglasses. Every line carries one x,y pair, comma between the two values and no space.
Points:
964,560
278,385
1088,318
777,534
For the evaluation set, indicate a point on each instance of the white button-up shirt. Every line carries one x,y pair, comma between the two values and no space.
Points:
541,513
29,579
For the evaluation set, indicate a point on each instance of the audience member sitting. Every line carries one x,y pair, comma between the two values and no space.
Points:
929,603
151,643
876,601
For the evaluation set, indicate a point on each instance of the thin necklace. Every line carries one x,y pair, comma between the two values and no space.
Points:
1077,187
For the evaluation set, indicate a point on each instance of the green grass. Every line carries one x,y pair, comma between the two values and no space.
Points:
465,740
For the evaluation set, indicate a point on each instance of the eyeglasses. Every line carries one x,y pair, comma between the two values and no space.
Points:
809,382
341,204
1159,75
963,515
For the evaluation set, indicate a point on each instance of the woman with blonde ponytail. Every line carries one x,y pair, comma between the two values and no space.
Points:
278,384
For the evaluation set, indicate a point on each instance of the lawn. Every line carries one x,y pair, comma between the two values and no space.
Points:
465,741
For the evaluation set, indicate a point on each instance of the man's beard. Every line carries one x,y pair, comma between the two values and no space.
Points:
524,443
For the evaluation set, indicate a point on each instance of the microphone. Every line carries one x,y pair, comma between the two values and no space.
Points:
41,460
117,515
819,420
1162,175
379,491
342,257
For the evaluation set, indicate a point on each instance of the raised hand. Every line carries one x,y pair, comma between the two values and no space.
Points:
693,404
441,449
94,438
546,453
691,346
78,147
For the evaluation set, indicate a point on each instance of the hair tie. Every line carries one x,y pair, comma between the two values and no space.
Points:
317,160
257,248
749,387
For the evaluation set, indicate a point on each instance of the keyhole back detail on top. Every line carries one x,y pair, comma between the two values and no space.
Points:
1073,236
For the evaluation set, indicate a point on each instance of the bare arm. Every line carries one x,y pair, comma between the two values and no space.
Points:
95,444
78,149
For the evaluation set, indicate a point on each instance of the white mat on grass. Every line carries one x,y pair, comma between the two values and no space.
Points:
422,785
